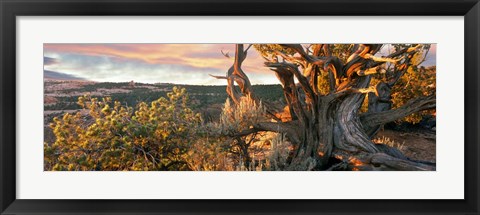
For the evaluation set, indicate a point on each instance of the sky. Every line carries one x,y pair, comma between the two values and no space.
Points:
158,63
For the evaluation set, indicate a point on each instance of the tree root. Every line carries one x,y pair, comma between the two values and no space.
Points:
378,162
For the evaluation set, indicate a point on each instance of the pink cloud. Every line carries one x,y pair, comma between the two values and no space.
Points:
194,55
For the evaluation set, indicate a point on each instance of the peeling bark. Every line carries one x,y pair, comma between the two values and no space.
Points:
415,105
329,126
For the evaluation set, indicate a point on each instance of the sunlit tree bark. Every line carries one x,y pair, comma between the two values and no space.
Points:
327,129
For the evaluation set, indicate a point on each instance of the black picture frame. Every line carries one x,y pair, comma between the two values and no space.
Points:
10,9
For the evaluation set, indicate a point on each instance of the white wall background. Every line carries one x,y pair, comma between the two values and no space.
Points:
34,183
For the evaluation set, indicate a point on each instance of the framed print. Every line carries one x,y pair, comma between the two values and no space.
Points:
268,107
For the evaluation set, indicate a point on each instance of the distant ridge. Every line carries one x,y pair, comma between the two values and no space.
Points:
47,74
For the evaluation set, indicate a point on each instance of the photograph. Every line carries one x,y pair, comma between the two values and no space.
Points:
239,107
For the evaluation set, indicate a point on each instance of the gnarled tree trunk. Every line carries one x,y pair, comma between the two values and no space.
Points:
328,131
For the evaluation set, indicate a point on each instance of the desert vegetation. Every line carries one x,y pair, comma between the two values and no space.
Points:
327,112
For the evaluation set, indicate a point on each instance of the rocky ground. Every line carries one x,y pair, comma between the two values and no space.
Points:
418,145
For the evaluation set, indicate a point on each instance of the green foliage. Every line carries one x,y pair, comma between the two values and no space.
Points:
342,51
418,81
110,136
200,96
202,148
323,84
210,154
269,51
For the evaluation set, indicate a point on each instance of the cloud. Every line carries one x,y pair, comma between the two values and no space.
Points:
190,54
59,76
49,61
115,69
151,63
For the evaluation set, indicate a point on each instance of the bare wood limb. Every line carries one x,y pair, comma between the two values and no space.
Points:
371,71
291,59
334,67
235,75
289,91
218,76
225,54
382,59
399,164
378,162
413,106
304,83
398,53
277,127
345,92
300,50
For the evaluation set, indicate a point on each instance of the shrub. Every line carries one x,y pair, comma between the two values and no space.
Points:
109,136
278,154
234,119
